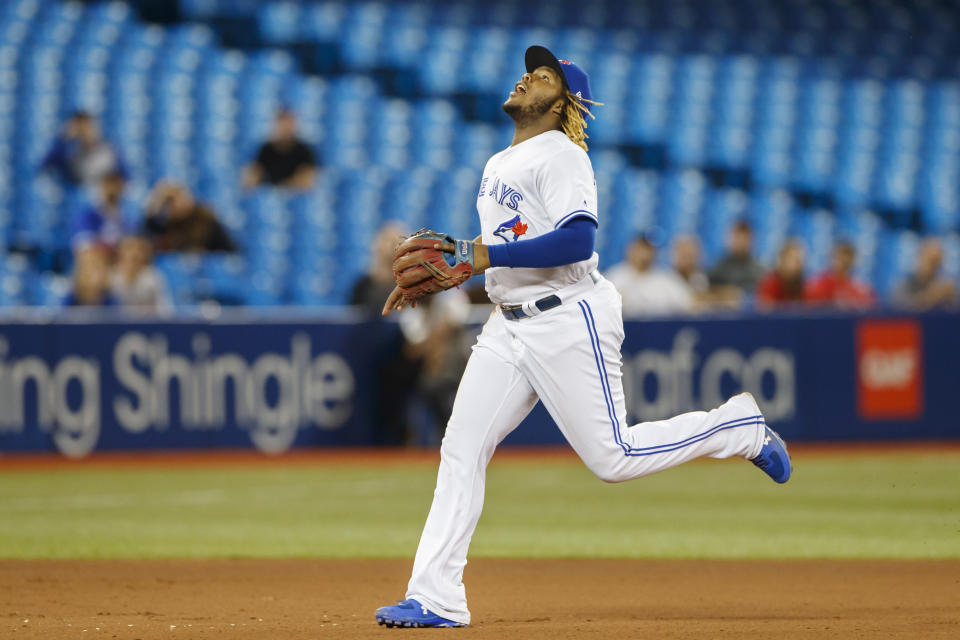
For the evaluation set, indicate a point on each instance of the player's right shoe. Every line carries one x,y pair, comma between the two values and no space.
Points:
773,457
411,613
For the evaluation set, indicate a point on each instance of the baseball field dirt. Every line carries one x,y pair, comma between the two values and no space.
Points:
510,598
864,542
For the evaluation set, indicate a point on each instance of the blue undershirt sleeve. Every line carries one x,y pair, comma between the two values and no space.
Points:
570,243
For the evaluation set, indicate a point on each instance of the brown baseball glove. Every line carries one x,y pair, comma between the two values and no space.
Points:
421,267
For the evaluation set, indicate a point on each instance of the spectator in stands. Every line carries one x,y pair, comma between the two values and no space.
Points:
104,221
373,288
737,272
646,289
925,288
837,287
399,372
285,160
686,263
135,283
785,284
80,155
175,221
438,344
91,280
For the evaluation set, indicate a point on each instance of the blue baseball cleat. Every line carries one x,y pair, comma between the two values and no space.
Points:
411,613
773,457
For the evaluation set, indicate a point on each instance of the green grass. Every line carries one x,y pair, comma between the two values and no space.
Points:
864,507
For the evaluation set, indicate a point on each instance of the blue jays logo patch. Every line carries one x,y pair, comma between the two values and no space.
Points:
512,226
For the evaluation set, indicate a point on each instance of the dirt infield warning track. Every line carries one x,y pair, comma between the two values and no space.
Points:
293,599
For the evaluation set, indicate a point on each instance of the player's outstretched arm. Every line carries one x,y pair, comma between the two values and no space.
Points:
569,244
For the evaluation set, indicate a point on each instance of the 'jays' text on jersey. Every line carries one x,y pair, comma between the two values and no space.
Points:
528,190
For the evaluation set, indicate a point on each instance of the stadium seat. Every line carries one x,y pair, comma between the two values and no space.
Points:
801,117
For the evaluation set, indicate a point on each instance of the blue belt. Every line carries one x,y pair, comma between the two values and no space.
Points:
515,311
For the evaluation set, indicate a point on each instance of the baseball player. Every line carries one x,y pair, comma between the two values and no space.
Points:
555,335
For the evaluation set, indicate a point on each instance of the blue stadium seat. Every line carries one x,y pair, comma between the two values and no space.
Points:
264,290
722,208
816,228
12,291
770,213
633,201
50,290
855,105
180,272
322,21
279,23
940,195
896,252
316,288
221,277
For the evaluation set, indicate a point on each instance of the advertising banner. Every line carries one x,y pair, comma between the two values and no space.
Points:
276,383
815,377
118,386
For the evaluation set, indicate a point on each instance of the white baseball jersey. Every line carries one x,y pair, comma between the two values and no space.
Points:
528,190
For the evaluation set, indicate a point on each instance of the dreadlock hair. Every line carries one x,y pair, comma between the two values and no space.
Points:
572,118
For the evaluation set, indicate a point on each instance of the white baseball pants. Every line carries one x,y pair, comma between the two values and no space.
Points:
568,357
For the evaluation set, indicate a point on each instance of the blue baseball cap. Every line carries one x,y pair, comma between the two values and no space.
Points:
575,78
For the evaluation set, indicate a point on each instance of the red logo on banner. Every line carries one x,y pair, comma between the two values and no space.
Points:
889,369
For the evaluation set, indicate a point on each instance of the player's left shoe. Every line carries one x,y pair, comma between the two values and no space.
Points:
411,613
773,457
